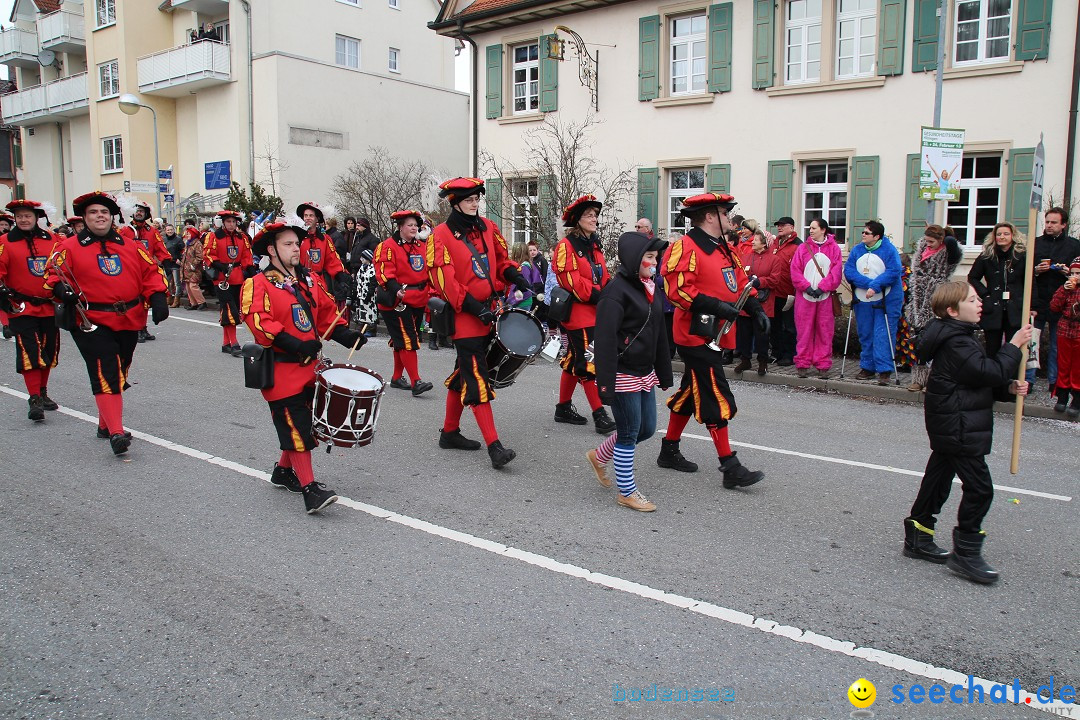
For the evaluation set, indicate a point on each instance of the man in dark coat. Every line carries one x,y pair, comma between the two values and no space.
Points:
1054,250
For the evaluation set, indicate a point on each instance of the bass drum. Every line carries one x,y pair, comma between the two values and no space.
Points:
871,266
519,338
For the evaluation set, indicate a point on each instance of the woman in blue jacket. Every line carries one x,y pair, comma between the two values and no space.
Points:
873,268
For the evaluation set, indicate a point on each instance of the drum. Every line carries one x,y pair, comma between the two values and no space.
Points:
519,337
346,405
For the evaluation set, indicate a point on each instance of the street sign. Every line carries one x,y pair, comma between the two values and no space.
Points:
1038,171
218,175
141,186
170,198
163,187
164,174
127,186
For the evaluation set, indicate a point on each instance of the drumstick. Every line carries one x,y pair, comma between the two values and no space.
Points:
333,324
363,329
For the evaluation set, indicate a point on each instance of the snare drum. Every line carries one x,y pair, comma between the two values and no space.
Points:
519,338
346,405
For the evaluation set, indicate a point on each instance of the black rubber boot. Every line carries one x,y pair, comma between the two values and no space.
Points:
37,409
500,455
670,457
567,413
967,560
456,441
919,543
736,475
47,402
433,341
604,424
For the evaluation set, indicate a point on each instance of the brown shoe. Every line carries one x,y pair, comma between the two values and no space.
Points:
743,366
636,501
884,378
914,387
599,469
866,375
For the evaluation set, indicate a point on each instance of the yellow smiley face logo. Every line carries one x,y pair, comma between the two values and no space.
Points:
862,693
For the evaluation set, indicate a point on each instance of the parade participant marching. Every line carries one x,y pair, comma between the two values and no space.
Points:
76,224
815,274
24,251
873,267
469,268
143,230
959,419
6,223
319,255
108,281
227,250
705,277
401,272
287,308
632,359
578,262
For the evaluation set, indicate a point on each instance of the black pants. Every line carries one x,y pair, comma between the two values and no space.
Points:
471,376
937,480
749,337
229,304
995,338
37,342
292,420
108,355
404,327
783,331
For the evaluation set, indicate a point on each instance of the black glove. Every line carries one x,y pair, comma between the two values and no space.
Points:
709,305
251,271
815,293
64,293
342,286
5,292
392,287
755,281
594,297
159,307
220,267
309,348
344,336
474,307
513,275
754,309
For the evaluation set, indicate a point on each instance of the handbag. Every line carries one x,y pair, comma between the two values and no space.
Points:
258,366
442,316
64,316
703,325
559,302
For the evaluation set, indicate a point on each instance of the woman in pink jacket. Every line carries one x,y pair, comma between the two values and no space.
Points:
816,271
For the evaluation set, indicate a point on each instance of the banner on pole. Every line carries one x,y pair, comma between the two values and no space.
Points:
940,161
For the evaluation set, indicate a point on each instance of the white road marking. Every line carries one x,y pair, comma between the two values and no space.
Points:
734,617
193,320
871,466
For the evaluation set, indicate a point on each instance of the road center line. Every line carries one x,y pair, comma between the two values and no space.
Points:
734,617
193,320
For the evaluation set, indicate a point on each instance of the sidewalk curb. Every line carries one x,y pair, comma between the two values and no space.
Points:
852,388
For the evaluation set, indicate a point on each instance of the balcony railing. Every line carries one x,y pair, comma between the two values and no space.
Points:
185,69
66,97
18,47
63,31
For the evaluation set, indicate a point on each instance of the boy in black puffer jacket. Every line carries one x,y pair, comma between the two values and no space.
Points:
960,422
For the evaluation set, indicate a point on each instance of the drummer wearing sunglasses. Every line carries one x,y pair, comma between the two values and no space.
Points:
287,308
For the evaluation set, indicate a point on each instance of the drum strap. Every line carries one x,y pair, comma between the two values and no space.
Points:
476,257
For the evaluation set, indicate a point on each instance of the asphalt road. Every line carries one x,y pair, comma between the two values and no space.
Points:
177,583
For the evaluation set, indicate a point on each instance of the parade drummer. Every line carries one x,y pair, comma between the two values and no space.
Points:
319,255
287,308
401,272
24,251
114,280
469,267
142,229
704,276
227,250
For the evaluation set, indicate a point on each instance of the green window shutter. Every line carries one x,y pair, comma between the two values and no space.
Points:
892,15
20,191
493,198
548,227
778,202
17,156
1018,190
914,206
764,43
648,193
864,192
924,49
649,57
494,81
720,47
1033,29
718,178
549,78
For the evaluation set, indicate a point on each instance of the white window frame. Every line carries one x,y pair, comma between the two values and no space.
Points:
223,30
112,149
804,25
350,3
394,4
344,54
104,13
393,60
529,67
982,23
109,72
675,220
857,17
827,190
971,237
524,209
688,42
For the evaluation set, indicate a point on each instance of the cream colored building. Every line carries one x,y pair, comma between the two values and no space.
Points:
796,107
324,85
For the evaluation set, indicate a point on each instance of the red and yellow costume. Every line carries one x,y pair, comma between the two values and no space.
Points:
402,266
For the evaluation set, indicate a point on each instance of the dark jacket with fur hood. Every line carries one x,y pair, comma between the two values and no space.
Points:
926,276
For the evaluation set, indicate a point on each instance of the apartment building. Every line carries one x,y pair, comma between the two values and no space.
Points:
796,107
298,90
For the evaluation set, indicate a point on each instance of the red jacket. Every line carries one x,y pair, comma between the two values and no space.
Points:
695,265
228,248
124,274
580,269
403,266
270,308
150,239
318,255
783,254
1067,302
24,271
768,271
454,273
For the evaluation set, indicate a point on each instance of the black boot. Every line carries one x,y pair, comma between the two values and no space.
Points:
919,543
37,409
148,335
500,455
967,560
433,341
47,402
604,424
743,366
317,496
727,357
1062,400
120,442
444,341
736,475
456,441
143,335
283,477
567,413
1074,408
670,457
7,333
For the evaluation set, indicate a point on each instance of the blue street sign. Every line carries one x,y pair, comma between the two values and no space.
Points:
218,175
164,174
163,187
170,198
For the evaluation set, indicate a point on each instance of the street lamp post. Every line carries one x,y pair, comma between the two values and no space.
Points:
129,105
